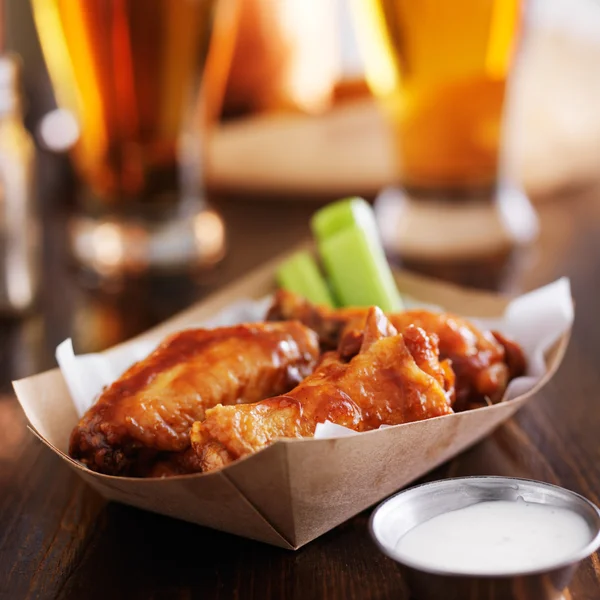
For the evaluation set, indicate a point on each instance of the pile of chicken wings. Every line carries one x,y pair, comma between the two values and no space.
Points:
207,397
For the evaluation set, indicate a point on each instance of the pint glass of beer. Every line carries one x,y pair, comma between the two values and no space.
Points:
440,69
130,72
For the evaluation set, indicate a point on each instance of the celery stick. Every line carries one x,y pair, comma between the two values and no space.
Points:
353,257
300,274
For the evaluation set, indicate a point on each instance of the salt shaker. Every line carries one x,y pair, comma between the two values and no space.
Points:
19,229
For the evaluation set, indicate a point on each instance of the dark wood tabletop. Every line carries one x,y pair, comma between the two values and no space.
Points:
60,539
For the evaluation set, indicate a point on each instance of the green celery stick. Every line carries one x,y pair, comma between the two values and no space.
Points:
353,257
300,274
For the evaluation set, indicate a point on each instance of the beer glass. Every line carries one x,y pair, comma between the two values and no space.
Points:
440,69
130,73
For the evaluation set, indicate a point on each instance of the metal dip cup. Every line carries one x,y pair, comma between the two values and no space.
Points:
409,508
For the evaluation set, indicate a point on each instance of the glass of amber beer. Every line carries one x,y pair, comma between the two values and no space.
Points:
130,73
440,70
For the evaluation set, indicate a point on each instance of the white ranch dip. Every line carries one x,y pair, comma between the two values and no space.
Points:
500,537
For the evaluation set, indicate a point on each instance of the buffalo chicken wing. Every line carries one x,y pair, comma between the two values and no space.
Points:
147,413
392,379
483,361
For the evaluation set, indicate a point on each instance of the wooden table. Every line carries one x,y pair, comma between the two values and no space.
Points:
59,539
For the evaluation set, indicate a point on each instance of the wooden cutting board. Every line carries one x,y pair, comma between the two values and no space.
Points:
553,132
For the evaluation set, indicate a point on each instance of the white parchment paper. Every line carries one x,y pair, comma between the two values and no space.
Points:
536,320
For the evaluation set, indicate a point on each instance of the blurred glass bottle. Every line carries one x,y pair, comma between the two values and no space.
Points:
19,234
285,57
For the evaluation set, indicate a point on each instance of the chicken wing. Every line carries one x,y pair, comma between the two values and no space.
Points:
484,362
392,379
150,409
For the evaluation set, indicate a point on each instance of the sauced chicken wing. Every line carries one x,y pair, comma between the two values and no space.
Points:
483,361
392,379
149,410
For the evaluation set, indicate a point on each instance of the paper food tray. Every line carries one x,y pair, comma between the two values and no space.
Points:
296,490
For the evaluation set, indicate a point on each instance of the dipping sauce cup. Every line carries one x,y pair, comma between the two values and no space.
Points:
487,538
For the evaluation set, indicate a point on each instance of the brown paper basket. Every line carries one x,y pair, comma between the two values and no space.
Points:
295,490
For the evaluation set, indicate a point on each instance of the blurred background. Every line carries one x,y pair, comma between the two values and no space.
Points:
155,150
